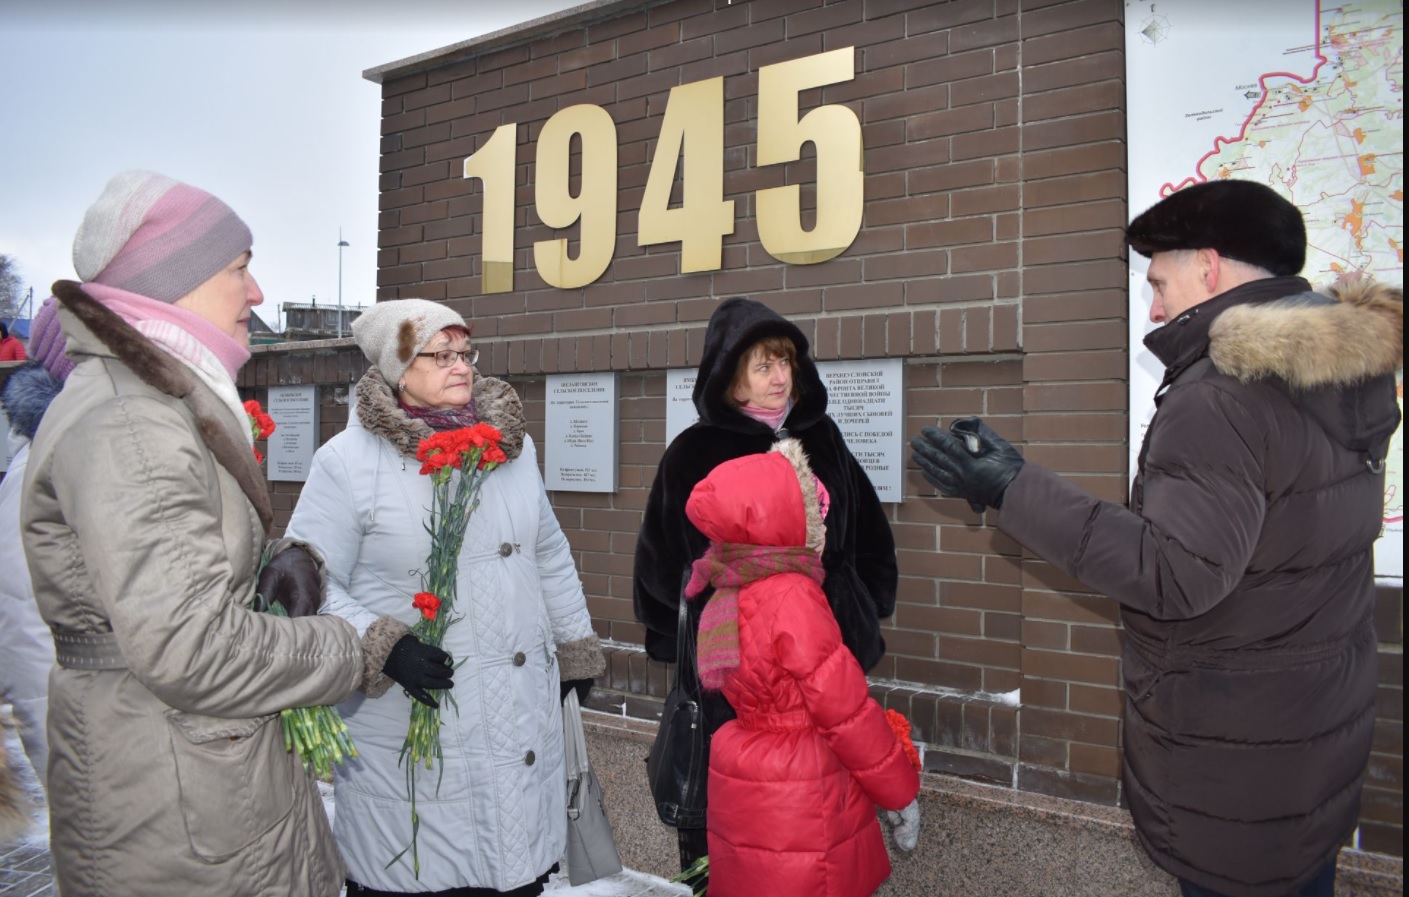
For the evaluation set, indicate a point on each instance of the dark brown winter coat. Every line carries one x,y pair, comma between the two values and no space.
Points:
1245,572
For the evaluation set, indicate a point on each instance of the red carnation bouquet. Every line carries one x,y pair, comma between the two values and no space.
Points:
473,453
261,426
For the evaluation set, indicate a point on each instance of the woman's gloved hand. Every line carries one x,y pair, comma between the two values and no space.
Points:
419,668
905,826
583,687
970,462
293,579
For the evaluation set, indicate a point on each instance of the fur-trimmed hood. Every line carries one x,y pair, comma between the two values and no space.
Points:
496,403
1336,354
750,500
95,330
26,397
1313,341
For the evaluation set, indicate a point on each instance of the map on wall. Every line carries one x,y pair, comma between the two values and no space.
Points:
1305,96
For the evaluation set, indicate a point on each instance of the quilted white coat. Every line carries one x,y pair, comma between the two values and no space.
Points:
493,815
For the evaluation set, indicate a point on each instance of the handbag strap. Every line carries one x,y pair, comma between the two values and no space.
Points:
574,738
687,675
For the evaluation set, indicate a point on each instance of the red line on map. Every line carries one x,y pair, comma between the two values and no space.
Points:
1220,142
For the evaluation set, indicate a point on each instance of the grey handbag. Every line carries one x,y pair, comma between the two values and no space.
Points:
591,849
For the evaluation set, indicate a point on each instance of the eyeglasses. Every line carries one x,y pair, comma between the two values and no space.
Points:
446,357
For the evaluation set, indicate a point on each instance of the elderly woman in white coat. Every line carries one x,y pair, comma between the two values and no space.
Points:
493,815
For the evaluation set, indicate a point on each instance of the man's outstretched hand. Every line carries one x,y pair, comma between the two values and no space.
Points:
970,462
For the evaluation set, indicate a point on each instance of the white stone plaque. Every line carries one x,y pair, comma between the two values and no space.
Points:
866,400
295,438
582,432
680,410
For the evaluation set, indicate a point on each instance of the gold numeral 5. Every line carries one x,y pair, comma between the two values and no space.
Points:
836,133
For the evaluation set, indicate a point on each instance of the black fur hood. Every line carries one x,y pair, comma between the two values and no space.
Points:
736,325
26,397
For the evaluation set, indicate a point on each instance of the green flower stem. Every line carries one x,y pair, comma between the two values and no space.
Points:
453,500
317,734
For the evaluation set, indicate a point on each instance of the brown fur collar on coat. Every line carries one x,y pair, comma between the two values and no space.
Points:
495,401
811,504
1314,345
159,370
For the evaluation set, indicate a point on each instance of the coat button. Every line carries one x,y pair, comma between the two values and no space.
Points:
505,550
519,659
529,759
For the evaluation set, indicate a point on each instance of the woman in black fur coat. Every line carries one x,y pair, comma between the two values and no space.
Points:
860,552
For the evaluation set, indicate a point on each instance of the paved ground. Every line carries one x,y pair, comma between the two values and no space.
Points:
25,872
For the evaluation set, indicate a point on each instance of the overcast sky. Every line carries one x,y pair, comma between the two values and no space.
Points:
260,102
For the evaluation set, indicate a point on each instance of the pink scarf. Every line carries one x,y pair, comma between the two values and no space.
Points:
773,419
134,308
728,567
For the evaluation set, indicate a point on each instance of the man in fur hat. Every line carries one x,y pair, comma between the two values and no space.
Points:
1244,564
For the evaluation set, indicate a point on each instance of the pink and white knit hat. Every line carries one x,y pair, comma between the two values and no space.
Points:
157,237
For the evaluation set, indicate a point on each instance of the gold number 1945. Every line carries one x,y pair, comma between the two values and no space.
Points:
693,131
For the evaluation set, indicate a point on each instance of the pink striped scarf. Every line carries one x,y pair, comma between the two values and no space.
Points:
201,333
728,567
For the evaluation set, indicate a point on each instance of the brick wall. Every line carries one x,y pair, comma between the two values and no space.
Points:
989,258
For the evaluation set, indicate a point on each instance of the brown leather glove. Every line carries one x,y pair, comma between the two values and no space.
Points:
293,579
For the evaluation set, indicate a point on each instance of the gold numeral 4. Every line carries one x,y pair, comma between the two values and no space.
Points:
694,127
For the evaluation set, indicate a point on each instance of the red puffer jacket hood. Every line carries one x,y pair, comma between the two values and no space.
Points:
766,499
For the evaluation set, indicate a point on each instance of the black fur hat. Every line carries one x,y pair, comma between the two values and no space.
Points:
1243,220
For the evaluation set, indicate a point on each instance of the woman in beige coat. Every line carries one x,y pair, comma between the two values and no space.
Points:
144,519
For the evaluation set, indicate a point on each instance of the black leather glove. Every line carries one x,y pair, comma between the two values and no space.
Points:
583,687
970,462
291,578
419,668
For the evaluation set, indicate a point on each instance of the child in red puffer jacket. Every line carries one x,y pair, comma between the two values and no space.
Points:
794,782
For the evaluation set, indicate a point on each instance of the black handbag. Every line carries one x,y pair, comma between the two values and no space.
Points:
679,760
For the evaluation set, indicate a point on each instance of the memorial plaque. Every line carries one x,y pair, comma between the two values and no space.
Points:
295,438
680,410
866,400
582,433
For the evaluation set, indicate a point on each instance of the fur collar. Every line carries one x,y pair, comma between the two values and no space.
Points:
497,403
1312,342
154,367
792,450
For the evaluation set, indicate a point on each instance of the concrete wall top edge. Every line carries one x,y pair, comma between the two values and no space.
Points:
496,40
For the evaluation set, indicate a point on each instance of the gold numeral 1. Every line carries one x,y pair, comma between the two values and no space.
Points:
694,125
594,206
836,133
493,164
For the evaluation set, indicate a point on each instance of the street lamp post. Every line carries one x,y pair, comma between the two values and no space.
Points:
341,245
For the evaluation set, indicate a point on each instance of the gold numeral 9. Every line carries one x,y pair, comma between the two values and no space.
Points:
493,164
593,209
836,133
694,126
